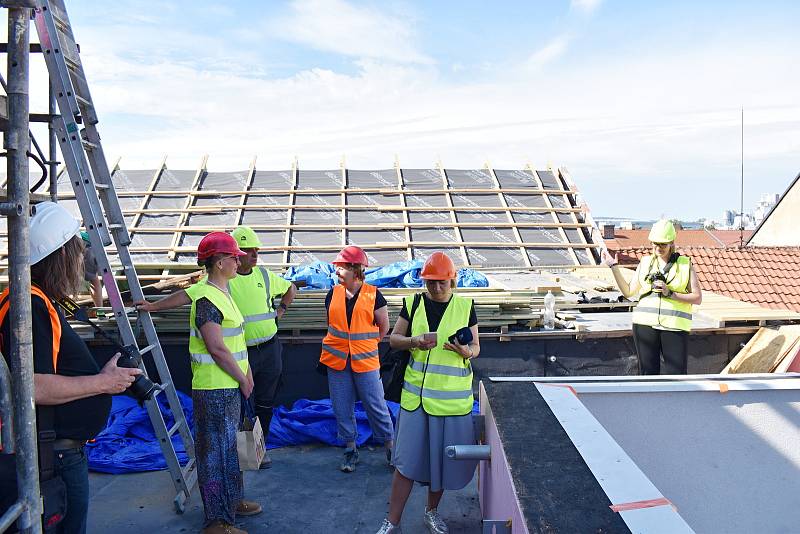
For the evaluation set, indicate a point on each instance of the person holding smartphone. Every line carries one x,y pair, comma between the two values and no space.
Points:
436,401
357,320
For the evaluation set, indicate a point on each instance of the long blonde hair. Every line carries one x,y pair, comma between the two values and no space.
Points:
60,274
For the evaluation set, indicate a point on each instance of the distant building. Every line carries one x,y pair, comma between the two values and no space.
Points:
727,218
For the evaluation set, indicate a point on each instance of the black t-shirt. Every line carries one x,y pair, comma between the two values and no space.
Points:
80,419
434,311
350,303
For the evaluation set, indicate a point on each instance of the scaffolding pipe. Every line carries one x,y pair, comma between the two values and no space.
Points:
17,144
6,410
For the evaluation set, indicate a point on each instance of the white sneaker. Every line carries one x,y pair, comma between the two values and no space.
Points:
388,528
434,522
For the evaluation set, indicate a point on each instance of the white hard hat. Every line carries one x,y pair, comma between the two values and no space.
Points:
51,227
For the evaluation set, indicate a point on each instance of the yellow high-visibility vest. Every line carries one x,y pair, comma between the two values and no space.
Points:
442,380
654,309
206,374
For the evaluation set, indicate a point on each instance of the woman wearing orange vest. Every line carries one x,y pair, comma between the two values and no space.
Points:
357,321
66,375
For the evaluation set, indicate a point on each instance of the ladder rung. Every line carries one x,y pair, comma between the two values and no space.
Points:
72,64
88,145
59,21
84,102
147,349
114,226
101,186
174,428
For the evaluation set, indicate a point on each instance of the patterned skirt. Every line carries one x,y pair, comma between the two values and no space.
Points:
217,414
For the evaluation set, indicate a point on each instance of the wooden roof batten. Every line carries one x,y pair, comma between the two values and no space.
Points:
415,215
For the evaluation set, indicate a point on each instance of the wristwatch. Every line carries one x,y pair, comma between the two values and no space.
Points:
282,306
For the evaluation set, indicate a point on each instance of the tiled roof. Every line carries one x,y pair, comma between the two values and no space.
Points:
766,276
695,238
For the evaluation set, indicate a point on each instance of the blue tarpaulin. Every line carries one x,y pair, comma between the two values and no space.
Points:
128,443
320,275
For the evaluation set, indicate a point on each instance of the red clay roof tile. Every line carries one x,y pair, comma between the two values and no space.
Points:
766,276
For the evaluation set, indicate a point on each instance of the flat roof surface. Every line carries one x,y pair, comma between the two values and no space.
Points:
722,449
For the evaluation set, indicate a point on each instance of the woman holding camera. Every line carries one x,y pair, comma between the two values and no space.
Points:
72,393
357,321
221,376
436,401
667,287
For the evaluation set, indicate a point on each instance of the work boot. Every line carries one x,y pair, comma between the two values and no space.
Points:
221,527
246,508
388,528
266,463
434,522
349,461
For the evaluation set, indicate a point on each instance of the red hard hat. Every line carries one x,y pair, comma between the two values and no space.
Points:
438,266
352,254
217,243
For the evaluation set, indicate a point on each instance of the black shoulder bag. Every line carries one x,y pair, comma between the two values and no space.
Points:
51,486
394,362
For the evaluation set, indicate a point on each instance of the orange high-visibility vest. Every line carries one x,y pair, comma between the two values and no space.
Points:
359,340
55,322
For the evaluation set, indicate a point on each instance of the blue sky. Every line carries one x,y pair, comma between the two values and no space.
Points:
639,100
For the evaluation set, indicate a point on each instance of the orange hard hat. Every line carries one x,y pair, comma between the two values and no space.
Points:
438,266
217,243
352,254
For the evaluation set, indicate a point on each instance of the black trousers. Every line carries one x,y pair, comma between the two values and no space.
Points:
652,343
267,365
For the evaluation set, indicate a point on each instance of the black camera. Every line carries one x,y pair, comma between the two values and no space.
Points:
142,388
462,337
655,276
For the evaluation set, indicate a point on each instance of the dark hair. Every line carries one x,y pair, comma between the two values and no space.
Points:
209,262
60,274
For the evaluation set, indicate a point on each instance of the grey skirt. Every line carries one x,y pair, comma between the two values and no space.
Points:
419,449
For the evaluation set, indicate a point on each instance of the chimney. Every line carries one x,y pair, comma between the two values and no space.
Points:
608,231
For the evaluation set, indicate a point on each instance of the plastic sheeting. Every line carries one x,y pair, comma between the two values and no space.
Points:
322,275
128,443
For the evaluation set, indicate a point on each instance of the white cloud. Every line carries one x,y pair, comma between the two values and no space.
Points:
585,6
550,52
622,124
340,27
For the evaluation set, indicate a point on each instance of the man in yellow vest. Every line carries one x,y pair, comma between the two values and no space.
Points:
253,291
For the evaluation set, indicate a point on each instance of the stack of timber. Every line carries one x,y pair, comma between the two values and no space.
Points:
495,308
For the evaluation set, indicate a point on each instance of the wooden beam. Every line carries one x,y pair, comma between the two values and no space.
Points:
249,181
510,218
553,213
453,217
184,214
399,172
290,212
146,198
336,191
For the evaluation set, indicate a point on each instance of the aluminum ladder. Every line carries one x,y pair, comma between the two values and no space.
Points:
88,171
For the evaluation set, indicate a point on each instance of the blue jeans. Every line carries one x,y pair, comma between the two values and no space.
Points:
343,386
73,467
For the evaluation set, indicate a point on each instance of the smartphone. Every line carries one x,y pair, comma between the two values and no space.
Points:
430,337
